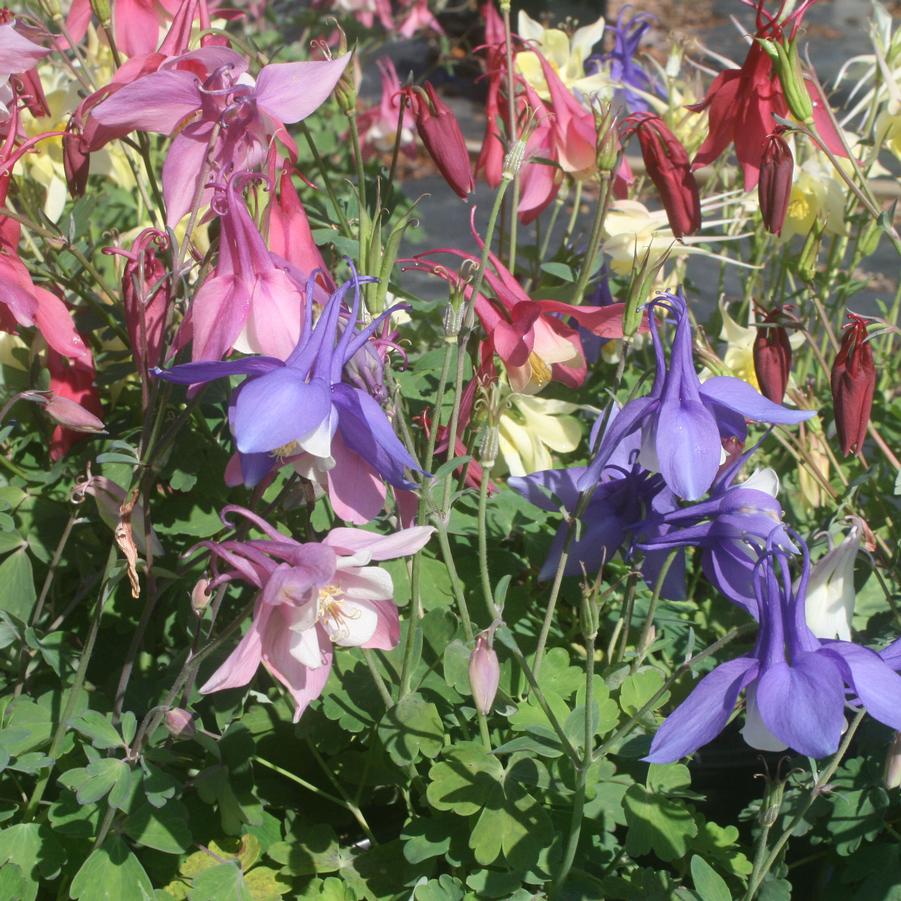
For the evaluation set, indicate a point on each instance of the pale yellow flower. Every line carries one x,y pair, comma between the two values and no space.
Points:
530,428
566,54
817,194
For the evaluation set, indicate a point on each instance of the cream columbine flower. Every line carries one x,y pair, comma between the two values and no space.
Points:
818,193
632,230
830,592
531,427
567,56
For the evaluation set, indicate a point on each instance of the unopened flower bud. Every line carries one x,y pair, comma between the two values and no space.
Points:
669,168
772,357
513,160
102,10
200,596
775,185
787,64
609,147
440,133
830,598
891,775
484,674
488,447
72,415
853,383
180,723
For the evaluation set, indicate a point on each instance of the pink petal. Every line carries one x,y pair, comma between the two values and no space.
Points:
17,53
379,547
291,91
155,102
387,632
218,314
181,170
136,26
243,661
276,313
55,323
356,492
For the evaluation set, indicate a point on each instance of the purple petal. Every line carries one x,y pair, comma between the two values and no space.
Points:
891,654
366,431
739,396
704,713
155,102
730,566
871,677
561,483
291,91
255,468
688,447
197,373
277,409
627,421
803,703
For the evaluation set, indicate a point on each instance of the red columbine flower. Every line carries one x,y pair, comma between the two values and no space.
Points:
440,133
772,357
853,384
775,185
741,102
669,168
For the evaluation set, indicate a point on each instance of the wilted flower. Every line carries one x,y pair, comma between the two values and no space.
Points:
853,382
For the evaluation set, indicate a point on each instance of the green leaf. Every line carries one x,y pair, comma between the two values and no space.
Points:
164,829
92,782
111,873
559,270
34,849
412,728
444,888
463,780
219,882
639,688
17,594
657,824
708,883
98,729
312,850
557,675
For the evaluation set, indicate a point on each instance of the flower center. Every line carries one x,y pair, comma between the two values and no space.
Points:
291,449
541,372
333,614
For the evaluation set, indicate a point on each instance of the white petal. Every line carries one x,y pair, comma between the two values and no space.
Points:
763,480
355,624
366,583
319,444
304,647
755,733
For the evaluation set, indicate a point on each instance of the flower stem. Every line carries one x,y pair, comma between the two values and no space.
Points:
594,241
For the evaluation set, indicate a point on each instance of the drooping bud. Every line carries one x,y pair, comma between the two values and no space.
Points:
609,147
146,291
72,415
180,723
440,132
775,185
669,168
200,596
772,357
76,159
891,774
853,385
830,591
484,673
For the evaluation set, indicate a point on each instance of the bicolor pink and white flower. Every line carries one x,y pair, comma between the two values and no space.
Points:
313,597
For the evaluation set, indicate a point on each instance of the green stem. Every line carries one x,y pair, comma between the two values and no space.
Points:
594,241
62,728
323,172
655,600
377,678
817,789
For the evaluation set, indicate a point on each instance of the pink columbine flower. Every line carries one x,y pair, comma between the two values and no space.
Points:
313,596
192,95
250,303
378,125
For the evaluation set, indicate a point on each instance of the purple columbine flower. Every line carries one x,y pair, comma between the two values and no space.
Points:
730,528
295,406
627,37
682,421
797,686
625,499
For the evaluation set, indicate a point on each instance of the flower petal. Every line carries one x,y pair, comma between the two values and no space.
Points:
688,447
155,102
291,91
704,713
874,681
243,661
373,546
277,409
738,395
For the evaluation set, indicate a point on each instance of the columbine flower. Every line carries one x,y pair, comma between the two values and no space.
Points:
299,405
682,421
567,56
818,194
248,115
624,500
530,428
796,684
830,592
312,596
378,125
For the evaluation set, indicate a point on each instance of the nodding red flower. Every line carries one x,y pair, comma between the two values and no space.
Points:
853,385
772,357
775,185
741,103
440,133
670,169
